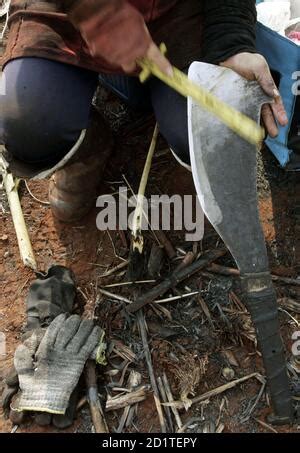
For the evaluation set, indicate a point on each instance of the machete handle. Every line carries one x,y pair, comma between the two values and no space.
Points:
262,305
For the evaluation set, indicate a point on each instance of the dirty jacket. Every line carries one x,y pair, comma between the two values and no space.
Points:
207,30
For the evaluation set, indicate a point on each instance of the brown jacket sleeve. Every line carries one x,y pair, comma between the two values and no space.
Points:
112,29
81,10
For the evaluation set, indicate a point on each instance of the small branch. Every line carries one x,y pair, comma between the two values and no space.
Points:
171,400
165,400
289,304
136,253
171,299
187,261
205,310
223,270
118,402
98,418
251,410
137,237
286,280
214,392
25,247
166,243
143,333
173,279
138,282
265,425
47,203
113,270
114,296
134,381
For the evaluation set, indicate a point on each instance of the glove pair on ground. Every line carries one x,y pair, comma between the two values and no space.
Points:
49,362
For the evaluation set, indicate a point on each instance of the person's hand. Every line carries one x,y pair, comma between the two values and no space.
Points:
121,38
254,67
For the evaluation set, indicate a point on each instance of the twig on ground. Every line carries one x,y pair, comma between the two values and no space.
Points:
25,247
171,400
190,422
138,282
214,392
159,301
265,425
235,299
166,243
289,315
223,270
123,351
98,418
114,248
205,310
187,260
171,299
285,280
143,333
118,402
165,400
160,309
174,279
249,413
137,242
289,304
113,270
81,403
134,380
33,196
114,296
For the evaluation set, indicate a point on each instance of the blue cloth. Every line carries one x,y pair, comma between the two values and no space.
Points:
283,57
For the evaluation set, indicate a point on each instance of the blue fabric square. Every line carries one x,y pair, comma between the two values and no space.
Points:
283,56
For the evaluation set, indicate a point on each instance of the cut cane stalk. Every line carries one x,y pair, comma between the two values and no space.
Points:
25,247
137,239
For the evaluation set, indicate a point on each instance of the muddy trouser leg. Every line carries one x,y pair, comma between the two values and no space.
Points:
170,109
45,107
50,126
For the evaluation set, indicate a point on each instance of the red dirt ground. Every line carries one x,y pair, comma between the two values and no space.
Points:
82,247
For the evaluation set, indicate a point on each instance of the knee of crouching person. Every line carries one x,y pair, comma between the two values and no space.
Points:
32,135
34,127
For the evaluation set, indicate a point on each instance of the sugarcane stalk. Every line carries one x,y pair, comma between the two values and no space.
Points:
137,237
25,247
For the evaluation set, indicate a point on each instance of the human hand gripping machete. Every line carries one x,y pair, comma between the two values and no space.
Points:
224,172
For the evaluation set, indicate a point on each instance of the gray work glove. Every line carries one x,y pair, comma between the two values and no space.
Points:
48,379
49,296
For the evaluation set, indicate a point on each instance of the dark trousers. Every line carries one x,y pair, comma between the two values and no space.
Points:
46,105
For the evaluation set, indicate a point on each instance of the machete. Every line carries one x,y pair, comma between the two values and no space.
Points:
224,169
